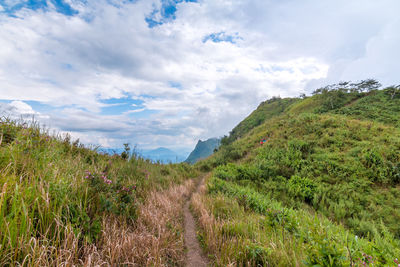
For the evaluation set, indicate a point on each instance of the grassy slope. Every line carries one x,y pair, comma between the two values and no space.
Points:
344,170
377,107
265,110
56,195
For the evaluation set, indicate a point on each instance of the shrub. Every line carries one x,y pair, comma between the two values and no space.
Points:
302,188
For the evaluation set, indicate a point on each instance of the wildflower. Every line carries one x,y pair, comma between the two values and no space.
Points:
126,189
107,181
87,177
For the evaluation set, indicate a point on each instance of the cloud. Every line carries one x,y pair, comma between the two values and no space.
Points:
108,76
17,110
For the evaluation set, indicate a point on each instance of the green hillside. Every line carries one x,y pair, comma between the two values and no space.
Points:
265,110
323,191
203,149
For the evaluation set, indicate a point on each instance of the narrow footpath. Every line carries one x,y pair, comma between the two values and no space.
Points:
195,256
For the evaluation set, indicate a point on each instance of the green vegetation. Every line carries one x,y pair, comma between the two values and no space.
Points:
203,149
378,106
326,184
55,194
268,109
300,236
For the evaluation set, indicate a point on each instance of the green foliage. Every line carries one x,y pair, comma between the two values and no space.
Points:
327,162
302,188
325,250
324,243
226,154
126,153
257,254
376,106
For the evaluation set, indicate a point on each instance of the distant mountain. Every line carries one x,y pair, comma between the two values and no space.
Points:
203,149
111,151
163,155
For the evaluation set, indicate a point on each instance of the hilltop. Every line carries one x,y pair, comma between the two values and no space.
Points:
323,190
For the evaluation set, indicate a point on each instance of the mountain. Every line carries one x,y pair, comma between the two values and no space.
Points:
164,155
323,191
203,149
111,151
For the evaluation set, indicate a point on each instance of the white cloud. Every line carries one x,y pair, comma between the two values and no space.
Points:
16,110
22,108
108,51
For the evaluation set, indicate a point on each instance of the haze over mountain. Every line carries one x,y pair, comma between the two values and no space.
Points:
160,154
163,155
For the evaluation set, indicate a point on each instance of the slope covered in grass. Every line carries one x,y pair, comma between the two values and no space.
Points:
58,198
264,111
378,106
324,190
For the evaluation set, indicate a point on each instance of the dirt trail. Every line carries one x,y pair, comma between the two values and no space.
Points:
195,255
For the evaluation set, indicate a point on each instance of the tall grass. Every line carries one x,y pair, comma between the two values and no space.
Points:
56,194
156,238
241,227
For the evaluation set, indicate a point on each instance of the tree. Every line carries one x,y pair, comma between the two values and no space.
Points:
125,155
393,90
367,85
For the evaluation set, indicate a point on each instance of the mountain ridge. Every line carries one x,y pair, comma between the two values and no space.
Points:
203,149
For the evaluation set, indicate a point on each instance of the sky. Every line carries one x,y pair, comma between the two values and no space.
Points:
169,72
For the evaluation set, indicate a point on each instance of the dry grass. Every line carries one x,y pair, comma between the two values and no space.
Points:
211,229
223,249
155,240
40,253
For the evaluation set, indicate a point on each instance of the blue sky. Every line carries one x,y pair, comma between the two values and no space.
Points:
169,72
12,8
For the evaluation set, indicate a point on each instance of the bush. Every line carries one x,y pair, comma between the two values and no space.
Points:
302,188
